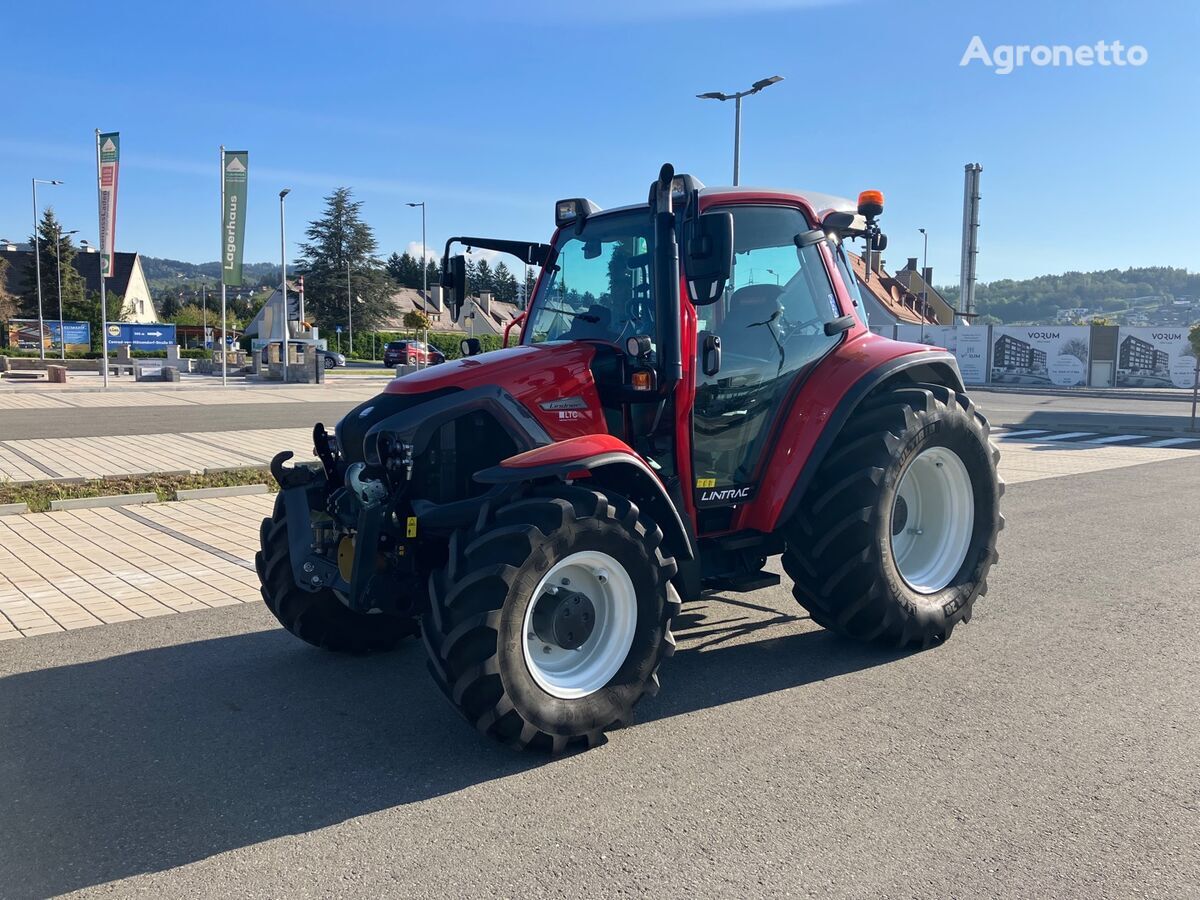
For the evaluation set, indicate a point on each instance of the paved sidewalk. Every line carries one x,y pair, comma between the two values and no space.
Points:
44,459
43,397
66,570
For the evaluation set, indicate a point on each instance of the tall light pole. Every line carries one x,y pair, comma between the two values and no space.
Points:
62,335
349,304
737,115
283,346
424,273
924,286
37,262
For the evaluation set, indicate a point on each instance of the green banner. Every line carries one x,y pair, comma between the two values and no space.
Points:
235,165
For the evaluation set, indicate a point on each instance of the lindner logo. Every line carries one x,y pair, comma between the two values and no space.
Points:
1004,58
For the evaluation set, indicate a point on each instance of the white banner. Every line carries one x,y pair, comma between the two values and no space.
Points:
108,148
968,343
1154,357
1041,354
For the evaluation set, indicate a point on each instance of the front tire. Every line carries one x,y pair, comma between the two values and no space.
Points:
319,618
895,537
502,630
329,362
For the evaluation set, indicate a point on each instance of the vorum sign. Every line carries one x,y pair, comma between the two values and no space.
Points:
1004,58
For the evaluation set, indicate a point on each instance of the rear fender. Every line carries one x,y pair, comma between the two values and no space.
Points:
606,462
927,367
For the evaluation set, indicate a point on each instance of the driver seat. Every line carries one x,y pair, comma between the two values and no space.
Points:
740,331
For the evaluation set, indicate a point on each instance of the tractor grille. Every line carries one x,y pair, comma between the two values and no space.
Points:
460,448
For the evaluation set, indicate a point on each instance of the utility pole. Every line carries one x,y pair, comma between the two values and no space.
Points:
62,334
349,305
924,286
424,277
970,237
37,262
736,97
283,283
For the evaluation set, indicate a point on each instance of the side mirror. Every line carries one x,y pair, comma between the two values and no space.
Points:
708,256
454,279
470,346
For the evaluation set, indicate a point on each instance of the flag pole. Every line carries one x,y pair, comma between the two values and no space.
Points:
221,257
103,298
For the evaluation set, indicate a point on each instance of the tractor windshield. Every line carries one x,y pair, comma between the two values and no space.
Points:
597,283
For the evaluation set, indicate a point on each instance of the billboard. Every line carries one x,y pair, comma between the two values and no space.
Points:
1154,357
1041,354
968,343
23,335
142,337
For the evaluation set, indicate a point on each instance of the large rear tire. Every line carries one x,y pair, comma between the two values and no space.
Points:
897,532
586,563
319,618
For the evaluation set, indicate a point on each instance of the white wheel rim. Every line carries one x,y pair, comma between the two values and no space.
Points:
933,516
572,674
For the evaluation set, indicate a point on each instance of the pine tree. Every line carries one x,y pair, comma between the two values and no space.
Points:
49,233
404,269
484,278
8,303
339,238
505,284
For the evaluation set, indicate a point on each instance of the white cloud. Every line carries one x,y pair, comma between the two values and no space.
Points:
414,250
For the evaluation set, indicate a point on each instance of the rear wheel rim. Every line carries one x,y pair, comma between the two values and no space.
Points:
933,517
574,674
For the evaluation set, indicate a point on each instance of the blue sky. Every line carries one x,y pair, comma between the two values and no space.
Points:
489,112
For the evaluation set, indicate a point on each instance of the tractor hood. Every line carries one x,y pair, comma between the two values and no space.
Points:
553,380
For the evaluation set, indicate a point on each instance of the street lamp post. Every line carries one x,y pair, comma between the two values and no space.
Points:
349,305
424,274
62,335
737,115
283,346
37,262
924,286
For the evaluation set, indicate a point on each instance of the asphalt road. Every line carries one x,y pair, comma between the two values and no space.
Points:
19,424
1082,412
1051,748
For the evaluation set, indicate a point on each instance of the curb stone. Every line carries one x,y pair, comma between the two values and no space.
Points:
235,490
113,500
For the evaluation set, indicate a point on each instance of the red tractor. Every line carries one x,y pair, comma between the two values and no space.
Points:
695,391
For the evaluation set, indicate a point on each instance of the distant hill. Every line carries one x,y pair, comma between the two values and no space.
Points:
1116,294
162,273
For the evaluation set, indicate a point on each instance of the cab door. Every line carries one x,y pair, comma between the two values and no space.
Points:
771,328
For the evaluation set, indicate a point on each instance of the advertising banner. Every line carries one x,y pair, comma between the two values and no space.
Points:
1154,357
110,152
1041,354
968,343
233,216
142,337
23,335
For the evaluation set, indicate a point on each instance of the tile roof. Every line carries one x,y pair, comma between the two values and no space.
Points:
888,293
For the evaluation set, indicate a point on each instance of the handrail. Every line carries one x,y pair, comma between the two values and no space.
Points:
516,321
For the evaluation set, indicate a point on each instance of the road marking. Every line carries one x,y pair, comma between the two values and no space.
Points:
1173,442
1014,434
1069,436
1115,439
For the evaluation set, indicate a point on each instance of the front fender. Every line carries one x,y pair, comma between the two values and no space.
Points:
610,463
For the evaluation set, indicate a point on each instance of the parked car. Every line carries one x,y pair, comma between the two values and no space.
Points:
329,358
412,353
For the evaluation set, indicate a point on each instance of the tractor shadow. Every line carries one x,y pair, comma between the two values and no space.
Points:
153,759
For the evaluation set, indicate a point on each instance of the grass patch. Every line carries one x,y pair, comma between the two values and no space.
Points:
39,493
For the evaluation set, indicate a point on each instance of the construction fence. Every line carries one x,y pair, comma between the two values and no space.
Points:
1061,355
